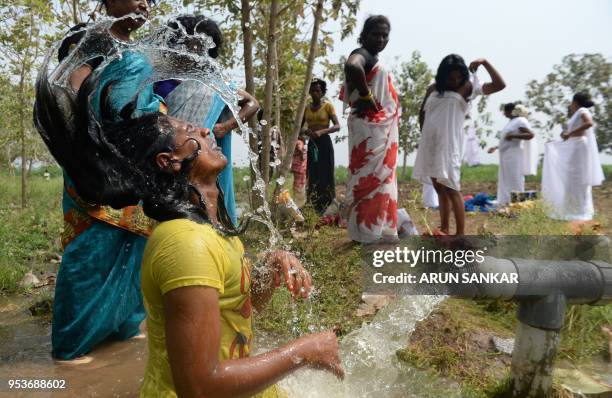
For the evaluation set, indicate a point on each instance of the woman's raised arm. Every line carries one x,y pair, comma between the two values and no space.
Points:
248,107
497,83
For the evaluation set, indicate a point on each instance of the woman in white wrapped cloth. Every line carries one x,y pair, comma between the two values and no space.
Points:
443,112
518,154
572,166
472,147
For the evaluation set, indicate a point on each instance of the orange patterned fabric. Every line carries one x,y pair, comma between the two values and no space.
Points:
75,222
131,218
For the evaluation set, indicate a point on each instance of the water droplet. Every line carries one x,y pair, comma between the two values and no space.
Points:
246,178
280,180
263,122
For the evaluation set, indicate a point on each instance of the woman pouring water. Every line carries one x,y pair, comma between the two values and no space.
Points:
97,294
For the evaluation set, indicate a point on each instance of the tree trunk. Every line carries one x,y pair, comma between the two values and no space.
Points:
75,15
247,38
9,159
405,160
25,69
269,89
23,157
297,122
280,151
22,131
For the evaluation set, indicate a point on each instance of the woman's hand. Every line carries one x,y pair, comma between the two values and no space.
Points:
285,265
322,352
509,137
220,129
362,106
492,149
565,135
476,63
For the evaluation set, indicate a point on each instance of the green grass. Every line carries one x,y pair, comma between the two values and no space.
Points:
449,343
29,237
529,221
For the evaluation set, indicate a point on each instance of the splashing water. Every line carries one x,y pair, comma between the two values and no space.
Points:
170,53
369,359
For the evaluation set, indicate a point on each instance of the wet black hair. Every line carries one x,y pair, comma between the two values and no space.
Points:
79,147
370,23
509,107
321,84
583,99
72,38
114,163
135,144
200,24
164,194
452,62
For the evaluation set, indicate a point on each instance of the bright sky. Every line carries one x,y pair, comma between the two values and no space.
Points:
523,39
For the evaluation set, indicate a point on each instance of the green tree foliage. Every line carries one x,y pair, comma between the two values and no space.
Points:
26,30
294,27
412,80
482,120
576,72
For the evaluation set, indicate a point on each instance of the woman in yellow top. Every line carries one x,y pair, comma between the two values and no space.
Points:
198,287
321,189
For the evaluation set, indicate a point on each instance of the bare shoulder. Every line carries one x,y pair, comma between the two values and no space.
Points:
356,59
430,89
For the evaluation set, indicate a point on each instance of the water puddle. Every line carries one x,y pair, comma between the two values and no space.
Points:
594,379
25,353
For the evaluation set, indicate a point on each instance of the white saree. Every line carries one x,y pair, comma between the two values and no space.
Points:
441,144
571,168
517,158
472,149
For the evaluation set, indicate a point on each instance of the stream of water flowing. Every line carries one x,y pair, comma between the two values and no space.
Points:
370,362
